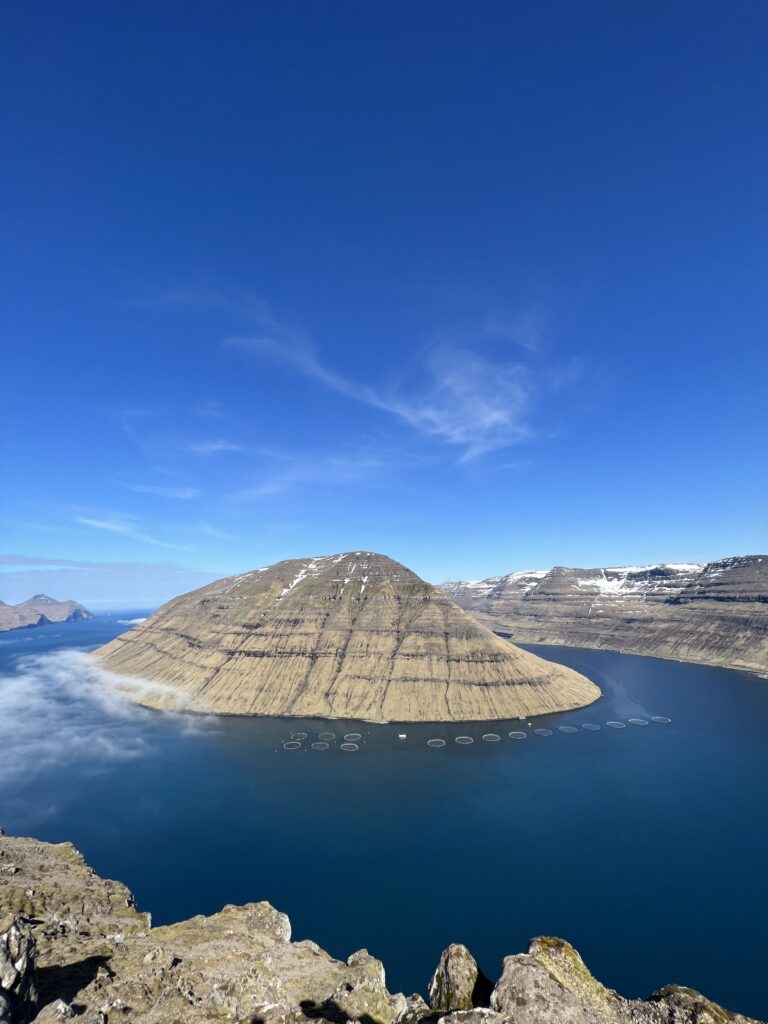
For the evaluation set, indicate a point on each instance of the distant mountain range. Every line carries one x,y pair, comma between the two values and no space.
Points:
714,613
353,635
39,611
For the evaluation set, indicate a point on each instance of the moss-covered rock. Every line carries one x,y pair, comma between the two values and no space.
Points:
453,983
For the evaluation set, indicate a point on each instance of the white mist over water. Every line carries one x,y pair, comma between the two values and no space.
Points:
61,708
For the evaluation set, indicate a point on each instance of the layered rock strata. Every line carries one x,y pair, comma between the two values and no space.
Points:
354,635
74,946
714,614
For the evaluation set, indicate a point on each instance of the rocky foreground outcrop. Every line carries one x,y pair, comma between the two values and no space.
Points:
354,635
40,610
74,946
714,614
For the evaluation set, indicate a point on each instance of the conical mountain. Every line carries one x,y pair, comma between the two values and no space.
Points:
354,635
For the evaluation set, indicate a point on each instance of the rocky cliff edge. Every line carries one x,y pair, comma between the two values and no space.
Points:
73,946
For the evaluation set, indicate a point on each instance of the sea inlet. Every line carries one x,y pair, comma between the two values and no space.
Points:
635,828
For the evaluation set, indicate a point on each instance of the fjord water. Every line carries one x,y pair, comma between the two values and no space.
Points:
644,846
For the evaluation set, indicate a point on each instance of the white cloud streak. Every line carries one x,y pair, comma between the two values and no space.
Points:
125,527
212,447
181,493
468,400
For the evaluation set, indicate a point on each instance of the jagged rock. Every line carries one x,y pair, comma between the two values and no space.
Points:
683,1004
480,1015
453,983
564,964
714,614
97,954
415,1009
528,994
54,1012
18,981
354,635
367,998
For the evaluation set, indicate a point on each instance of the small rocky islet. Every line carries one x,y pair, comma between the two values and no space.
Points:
40,610
74,946
354,635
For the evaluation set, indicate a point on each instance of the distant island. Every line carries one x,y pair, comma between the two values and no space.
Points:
74,946
353,635
713,614
40,610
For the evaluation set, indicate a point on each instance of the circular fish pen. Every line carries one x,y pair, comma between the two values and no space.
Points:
616,725
298,735
591,727
320,745
352,737
661,719
543,732
516,735
348,746
435,743
567,728
638,721
491,737
464,740
292,745
326,736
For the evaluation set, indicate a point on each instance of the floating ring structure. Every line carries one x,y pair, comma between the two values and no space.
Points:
464,740
661,719
639,721
543,732
517,735
591,727
616,725
326,736
348,746
436,743
320,746
292,745
567,728
298,735
491,737
352,737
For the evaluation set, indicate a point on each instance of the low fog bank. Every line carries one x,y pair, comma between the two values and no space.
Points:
61,709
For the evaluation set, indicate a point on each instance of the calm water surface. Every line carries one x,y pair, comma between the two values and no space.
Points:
645,846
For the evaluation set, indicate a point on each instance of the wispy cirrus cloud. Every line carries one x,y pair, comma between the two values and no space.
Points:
126,526
116,584
212,447
474,386
464,399
181,493
327,469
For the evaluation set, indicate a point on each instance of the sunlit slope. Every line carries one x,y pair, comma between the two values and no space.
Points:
353,635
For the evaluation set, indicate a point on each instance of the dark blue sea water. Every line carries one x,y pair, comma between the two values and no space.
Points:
645,846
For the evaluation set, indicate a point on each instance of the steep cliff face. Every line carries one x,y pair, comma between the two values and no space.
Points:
39,611
74,946
715,614
354,635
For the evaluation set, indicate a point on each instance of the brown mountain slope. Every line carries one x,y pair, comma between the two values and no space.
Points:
354,635
713,614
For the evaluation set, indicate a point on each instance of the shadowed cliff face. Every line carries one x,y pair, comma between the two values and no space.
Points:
354,635
714,614
73,945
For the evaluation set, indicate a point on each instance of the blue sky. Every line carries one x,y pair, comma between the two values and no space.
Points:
482,287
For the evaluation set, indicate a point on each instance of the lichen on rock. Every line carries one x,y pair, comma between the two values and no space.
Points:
80,949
